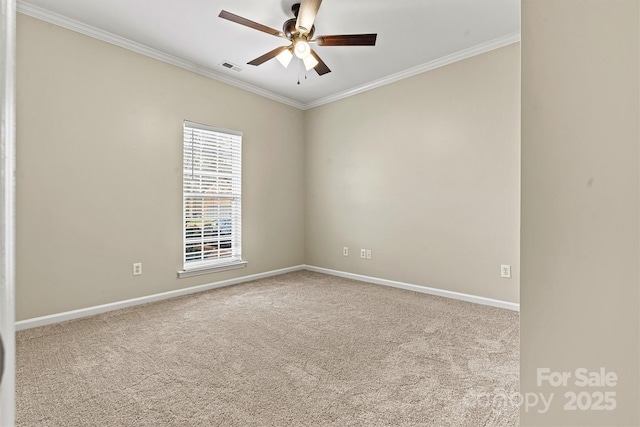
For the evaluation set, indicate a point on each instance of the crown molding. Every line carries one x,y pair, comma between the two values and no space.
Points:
431,65
88,30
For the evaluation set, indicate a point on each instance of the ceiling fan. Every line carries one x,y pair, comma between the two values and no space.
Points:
299,31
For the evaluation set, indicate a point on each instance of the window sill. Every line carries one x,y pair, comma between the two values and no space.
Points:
213,269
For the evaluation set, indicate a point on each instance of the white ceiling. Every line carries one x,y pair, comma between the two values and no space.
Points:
413,36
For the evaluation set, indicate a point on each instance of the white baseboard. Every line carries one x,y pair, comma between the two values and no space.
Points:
423,289
90,311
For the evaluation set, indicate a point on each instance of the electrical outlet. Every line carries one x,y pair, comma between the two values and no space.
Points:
368,253
137,268
505,271
345,251
363,253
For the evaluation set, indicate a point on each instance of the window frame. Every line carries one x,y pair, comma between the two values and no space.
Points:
215,154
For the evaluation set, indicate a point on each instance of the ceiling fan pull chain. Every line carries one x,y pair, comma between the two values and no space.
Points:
298,72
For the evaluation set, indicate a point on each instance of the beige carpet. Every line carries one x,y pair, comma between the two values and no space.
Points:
301,349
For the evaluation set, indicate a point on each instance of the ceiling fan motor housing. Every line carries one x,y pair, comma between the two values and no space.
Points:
289,29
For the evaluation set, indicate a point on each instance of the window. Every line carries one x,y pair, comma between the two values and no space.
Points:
211,188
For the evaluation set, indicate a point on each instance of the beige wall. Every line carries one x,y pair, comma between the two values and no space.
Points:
580,199
425,172
99,138
99,174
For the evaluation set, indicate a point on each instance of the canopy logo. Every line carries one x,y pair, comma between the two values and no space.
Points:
587,391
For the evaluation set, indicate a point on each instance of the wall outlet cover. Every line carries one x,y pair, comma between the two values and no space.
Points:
505,271
137,268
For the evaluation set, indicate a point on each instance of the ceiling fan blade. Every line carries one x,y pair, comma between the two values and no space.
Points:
269,55
347,40
307,15
321,68
248,23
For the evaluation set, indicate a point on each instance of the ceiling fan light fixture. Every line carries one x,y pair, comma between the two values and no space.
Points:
285,57
310,62
300,31
302,48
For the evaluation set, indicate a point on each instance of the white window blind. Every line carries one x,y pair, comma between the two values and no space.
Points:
212,195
